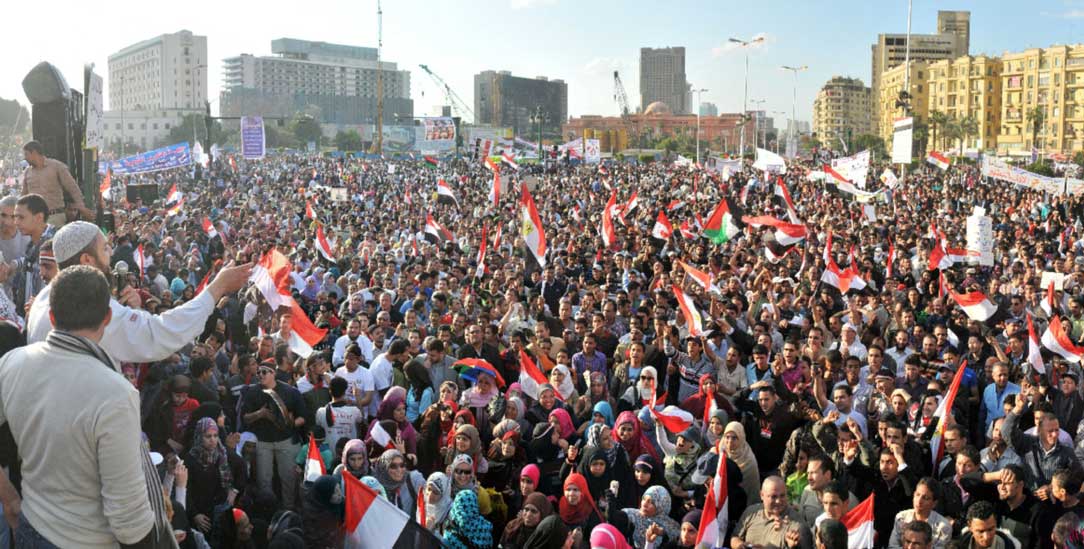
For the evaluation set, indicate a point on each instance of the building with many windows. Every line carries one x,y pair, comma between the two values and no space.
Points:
1044,85
334,82
892,83
662,78
842,111
503,100
961,88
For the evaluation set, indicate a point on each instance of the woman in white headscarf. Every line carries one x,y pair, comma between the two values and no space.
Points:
438,501
561,379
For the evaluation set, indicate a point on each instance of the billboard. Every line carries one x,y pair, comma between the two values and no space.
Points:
253,140
902,138
437,134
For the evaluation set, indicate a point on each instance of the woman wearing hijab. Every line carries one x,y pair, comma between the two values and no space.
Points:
461,473
235,530
466,441
322,512
535,509
595,470
561,379
286,528
645,391
680,460
709,391
713,431
211,482
547,402
438,502
630,435
477,399
577,508
600,440
355,460
562,421
589,406
505,457
528,484
551,533
436,421
393,408
401,485
466,528
654,510
606,536
646,472
516,410
738,450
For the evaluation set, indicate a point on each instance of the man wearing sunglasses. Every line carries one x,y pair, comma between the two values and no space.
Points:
274,412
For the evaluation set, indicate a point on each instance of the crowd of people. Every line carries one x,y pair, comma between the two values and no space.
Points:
815,399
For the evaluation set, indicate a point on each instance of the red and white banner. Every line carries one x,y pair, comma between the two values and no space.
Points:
662,229
975,304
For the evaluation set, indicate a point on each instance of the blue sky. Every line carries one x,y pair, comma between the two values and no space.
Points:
581,41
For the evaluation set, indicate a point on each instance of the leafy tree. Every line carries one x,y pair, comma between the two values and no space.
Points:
184,131
10,113
965,128
348,141
937,121
306,128
1036,116
278,138
875,144
1041,168
1078,158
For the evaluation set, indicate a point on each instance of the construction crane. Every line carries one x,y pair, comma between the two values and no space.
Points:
378,141
623,104
459,107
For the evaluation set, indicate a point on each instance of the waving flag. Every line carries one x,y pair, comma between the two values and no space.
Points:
633,201
692,316
310,212
435,232
1056,340
674,419
430,162
381,436
271,276
323,245
701,278
1035,355
209,228
609,235
372,521
975,304
789,234
687,231
782,192
107,182
725,222
304,335
713,519
942,257
510,160
891,258
143,261
841,279
174,195
314,464
495,190
534,236
662,229
470,368
531,378
937,450
176,209
481,268
859,523
1049,305
836,175
937,159
445,194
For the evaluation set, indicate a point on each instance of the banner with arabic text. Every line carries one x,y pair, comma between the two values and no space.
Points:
173,156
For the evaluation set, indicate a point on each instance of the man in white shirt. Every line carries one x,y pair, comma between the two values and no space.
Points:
900,351
361,388
133,335
355,333
842,408
339,418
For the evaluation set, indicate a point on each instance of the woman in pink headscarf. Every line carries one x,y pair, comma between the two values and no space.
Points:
606,536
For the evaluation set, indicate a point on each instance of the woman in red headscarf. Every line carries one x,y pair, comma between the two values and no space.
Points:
577,508
709,389
629,434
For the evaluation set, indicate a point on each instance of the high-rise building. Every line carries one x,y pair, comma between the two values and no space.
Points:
892,83
842,111
709,109
335,82
965,87
662,78
952,40
1050,81
501,99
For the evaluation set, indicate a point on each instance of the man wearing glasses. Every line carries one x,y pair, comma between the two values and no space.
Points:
274,411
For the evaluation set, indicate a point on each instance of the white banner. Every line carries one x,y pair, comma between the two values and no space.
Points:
770,162
593,152
902,138
980,239
997,169
95,121
854,168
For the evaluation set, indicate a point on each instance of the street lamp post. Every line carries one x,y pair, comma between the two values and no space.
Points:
698,92
794,103
745,96
539,118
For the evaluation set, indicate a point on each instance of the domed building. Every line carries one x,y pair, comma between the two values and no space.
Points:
658,108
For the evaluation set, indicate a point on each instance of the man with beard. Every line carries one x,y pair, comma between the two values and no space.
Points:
133,335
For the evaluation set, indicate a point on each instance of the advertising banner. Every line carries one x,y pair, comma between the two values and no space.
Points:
902,138
253,140
173,156
438,134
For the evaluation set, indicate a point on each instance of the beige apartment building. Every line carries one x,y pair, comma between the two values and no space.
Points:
963,87
841,111
892,83
1050,80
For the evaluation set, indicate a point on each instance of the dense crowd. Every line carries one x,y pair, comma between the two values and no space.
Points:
817,399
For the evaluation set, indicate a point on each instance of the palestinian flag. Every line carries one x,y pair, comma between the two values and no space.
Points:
435,233
725,222
430,162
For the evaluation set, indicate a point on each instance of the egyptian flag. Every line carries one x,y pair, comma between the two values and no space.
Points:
609,235
891,258
233,164
481,268
1049,305
686,230
430,162
531,378
373,521
314,464
143,261
510,160
675,205
497,238
176,209
859,523
271,276
725,222
1035,355
693,319
495,191
840,279
713,519
323,245
406,197
662,229
381,436
209,228
435,233
533,234
789,234
634,201
1057,341
937,159
203,283
839,179
975,304
674,419
745,192
942,257
174,195
107,182
310,212
304,335
937,450
701,278
445,194
782,192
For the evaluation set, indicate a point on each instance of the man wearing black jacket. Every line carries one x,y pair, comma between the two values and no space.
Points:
768,423
893,486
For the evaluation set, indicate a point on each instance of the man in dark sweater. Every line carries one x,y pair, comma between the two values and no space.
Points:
768,425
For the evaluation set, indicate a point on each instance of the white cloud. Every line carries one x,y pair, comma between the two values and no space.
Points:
524,4
1072,14
729,46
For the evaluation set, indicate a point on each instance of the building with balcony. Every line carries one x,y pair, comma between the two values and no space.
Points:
965,87
1044,85
842,111
914,74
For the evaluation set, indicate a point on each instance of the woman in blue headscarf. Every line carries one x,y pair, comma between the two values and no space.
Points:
466,528
654,509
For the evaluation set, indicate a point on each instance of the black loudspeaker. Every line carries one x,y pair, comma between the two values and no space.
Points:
59,127
45,84
147,193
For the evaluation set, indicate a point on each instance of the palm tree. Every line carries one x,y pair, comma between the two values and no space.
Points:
951,131
967,127
937,120
1036,116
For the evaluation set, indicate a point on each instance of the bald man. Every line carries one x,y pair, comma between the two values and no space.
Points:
772,524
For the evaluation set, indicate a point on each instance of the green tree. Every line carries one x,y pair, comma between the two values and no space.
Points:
1036,116
278,137
1078,158
937,120
198,124
306,128
13,114
966,128
1041,168
348,141
920,135
875,144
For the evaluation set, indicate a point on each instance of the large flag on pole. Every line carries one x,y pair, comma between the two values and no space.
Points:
435,232
445,194
859,523
701,278
534,236
937,450
713,520
481,268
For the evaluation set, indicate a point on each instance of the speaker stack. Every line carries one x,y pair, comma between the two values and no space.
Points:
57,114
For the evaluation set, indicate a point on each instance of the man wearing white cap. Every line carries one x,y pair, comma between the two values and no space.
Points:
133,335
849,340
